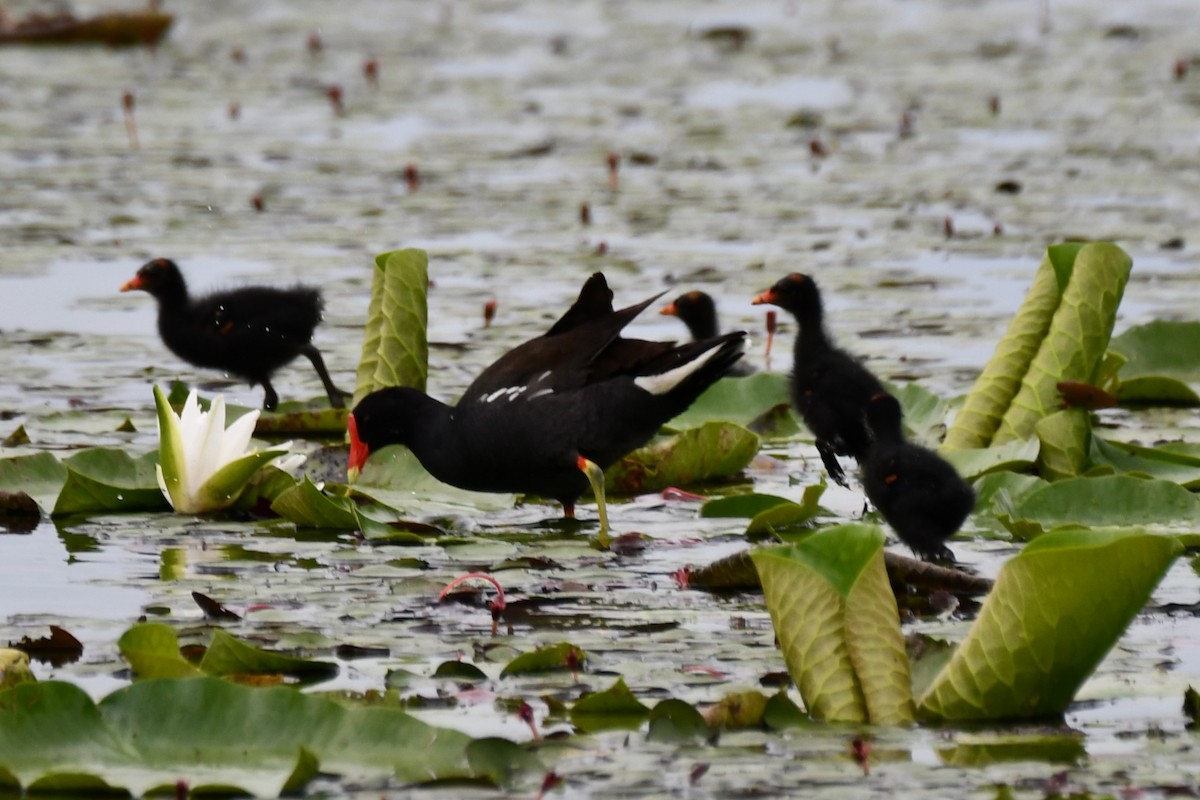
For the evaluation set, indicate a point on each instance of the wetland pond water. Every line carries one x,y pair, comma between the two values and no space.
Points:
923,220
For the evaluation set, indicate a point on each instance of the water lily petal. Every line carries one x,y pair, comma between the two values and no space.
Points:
205,450
290,463
237,437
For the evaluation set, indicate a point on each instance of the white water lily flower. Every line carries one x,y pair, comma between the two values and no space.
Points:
203,466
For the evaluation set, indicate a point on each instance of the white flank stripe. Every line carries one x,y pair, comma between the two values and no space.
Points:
666,381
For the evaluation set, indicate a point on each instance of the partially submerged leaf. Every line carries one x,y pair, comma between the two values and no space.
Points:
227,655
673,720
561,656
615,707
1056,610
713,450
767,512
152,650
41,476
738,711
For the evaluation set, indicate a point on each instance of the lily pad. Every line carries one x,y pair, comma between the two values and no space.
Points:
741,401
208,732
837,623
309,507
1177,462
712,451
768,513
975,462
673,720
561,656
1105,501
615,707
1162,364
394,477
108,479
1055,611
41,476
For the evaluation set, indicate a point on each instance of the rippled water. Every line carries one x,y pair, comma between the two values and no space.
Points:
509,110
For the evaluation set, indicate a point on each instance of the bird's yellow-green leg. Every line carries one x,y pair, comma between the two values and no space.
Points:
595,477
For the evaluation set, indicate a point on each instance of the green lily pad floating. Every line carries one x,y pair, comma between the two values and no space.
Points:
152,650
395,348
838,625
674,720
615,707
743,401
104,479
458,671
1178,462
561,656
733,573
739,711
1105,501
394,477
1060,333
768,513
1162,364
1057,608
208,732
41,476
712,451
309,507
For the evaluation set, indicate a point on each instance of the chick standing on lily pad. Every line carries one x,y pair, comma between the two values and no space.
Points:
204,466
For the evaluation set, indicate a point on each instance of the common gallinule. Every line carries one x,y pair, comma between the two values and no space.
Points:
248,332
830,388
550,415
918,492
698,312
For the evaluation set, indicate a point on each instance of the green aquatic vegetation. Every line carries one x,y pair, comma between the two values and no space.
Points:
1161,364
395,350
1054,612
837,623
1060,333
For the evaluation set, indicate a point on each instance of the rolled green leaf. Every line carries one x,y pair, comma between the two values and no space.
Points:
1056,609
1065,438
1077,339
1000,380
836,621
395,349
